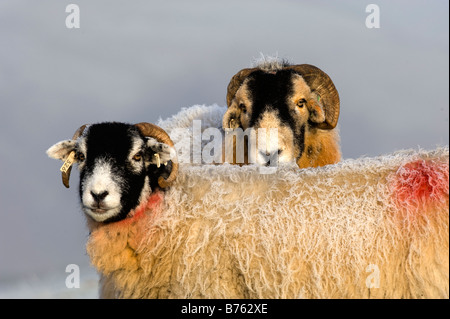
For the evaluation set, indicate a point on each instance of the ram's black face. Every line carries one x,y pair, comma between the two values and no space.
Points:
271,107
273,100
268,93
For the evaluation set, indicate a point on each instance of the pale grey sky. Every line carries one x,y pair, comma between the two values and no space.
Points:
134,61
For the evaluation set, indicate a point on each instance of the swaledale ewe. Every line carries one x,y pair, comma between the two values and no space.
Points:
119,164
365,228
300,101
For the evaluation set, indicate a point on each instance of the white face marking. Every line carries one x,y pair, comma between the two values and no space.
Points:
274,139
146,191
81,147
137,146
98,183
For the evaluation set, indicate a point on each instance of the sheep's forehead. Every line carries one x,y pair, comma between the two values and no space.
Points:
272,92
263,88
116,141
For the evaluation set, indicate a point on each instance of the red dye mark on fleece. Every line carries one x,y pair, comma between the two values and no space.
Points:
151,205
420,185
146,209
117,238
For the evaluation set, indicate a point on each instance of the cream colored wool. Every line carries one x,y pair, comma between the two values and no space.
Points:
337,231
230,232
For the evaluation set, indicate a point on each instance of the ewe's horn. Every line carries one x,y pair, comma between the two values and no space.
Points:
67,166
320,82
152,130
236,81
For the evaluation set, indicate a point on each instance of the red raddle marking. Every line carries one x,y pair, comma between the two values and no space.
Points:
151,204
131,230
146,209
418,186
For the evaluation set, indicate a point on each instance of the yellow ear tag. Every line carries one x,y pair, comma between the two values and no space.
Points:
158,160
66,168
68,163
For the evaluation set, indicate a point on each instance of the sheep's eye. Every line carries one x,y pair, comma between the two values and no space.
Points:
137,157
80,156
243,108
301,103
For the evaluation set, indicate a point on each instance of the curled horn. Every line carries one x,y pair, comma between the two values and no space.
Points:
67,167
152,130
79,132
321,83
236,82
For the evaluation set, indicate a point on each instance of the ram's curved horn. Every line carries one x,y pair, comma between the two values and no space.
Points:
67,166
321,83
236,82
79,132
152,130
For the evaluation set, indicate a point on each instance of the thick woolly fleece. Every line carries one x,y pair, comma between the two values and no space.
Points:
364,228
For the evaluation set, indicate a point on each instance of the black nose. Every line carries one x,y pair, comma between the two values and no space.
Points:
100,196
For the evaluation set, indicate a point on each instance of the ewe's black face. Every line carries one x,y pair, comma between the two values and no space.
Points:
118,168
112,171
275,100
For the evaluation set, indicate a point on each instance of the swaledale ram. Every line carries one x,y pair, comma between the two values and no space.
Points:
365,228
300,101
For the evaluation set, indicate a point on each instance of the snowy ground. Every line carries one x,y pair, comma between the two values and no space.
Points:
50,287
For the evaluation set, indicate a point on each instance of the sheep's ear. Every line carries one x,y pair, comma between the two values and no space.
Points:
232,118
159,153
64,151
316,110
61,150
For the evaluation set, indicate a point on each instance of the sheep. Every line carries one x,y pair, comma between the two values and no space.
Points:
300,101
120,166
364,228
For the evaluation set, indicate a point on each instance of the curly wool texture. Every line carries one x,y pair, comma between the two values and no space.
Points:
418,185
364,228
230,232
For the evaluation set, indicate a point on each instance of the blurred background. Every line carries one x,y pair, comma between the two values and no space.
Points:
134,61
